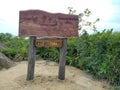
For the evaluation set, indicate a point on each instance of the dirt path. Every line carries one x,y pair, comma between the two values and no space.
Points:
46,78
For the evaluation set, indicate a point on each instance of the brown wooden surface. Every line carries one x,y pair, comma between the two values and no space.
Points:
48,43
44,24
62,60
31,59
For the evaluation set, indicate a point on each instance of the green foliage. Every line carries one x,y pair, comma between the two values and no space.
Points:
116,88
5,37
97,54
10,53
71,50
84,22
48,53
15,46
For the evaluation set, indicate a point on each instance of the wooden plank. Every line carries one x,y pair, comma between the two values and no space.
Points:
45,24
48,43
31,59
62,60
49,38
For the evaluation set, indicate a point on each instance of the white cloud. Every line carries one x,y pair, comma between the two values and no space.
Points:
10,8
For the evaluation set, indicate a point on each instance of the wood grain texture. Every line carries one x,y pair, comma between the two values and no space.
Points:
31,59
62,60
45,24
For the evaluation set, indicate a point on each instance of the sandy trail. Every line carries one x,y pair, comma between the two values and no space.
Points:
46,73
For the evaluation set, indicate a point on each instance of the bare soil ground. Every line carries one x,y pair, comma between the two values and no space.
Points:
46,74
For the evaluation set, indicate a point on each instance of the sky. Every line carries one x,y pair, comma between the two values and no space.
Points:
106,10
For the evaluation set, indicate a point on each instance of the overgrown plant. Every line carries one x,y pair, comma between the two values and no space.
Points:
84,23
15,46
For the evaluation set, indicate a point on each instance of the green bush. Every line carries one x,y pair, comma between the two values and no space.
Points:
48,53
5,37
15,46
97,54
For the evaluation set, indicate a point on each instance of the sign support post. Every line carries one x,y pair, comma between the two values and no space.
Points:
62,60
56,28
31,59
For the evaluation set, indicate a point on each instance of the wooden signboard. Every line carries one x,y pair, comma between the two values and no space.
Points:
45,24
37,23
48,43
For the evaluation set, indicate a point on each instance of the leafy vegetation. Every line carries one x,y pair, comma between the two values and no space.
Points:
48,53
97,54
15,46
84,22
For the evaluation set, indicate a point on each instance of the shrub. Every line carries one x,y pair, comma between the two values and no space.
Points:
16,46
48,53
97,54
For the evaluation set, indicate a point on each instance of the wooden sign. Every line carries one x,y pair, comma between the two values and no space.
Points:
44,24
37,23
48,43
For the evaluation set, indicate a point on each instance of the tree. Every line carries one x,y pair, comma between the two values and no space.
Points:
84,23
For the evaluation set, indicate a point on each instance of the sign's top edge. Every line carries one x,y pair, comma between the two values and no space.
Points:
37,10
49,37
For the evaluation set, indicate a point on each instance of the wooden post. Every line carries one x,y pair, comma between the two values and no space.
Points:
62,60
31,59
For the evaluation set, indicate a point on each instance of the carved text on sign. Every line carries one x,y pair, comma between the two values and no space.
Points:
48,43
